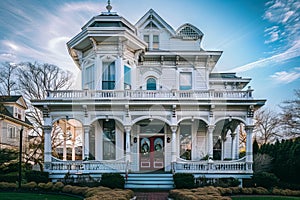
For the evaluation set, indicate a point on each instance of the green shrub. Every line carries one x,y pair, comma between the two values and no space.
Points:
265,179
30,186
58,186
67,188
37,176
11,178
5,185
182,180
112,180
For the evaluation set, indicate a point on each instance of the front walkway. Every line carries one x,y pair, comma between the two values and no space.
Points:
151,195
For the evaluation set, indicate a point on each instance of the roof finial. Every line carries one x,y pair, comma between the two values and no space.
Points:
108,7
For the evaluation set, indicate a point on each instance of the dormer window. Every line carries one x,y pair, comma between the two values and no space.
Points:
147,40
18,113
155,42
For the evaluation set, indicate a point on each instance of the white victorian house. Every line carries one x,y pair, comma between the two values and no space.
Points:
150,101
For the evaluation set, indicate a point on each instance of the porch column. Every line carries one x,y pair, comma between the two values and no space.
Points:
128,153
174,142
249,151
232,145
87,129
47,147
210,146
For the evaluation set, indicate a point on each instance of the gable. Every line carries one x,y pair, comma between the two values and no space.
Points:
152,17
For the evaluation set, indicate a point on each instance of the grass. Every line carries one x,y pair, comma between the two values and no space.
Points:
264,197
34,196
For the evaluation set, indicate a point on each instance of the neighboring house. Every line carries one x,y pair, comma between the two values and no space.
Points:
150,101
12,120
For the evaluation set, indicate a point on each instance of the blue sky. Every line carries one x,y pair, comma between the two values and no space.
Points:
260,38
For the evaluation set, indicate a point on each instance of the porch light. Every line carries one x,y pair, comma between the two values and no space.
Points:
106,118
192,118
168,139
135,139
230,118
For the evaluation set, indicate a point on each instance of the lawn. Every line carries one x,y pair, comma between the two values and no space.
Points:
33,196
264,197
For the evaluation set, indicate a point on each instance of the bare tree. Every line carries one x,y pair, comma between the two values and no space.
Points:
34,81
8,84
267,126
290,116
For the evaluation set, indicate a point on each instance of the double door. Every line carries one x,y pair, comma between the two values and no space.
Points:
152,153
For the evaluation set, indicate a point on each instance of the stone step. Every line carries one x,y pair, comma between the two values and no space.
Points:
149,181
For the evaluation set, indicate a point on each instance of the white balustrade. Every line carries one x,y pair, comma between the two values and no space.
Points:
236,166
101,166
148,94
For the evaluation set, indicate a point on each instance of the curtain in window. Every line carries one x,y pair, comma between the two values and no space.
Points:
108,76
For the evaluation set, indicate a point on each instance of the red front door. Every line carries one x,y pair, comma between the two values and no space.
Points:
152,153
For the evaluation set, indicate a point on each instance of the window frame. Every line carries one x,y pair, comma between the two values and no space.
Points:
108,75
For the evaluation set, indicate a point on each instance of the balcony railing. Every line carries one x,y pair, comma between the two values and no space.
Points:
148,94
235,166
91,166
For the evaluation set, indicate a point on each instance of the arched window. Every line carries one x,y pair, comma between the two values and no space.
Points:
151,84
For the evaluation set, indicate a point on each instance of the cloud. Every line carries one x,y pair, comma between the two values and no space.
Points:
273,33
283,36
286,14
290,53
287,77
41,34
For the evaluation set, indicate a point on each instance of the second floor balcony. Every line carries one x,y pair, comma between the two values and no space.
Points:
150,94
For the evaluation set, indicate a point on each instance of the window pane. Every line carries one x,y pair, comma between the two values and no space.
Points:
146,38
108,76
185,81
155,42
127,77
151,84
109,140
90,77
185,141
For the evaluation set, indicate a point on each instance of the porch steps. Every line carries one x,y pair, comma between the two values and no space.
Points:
150,181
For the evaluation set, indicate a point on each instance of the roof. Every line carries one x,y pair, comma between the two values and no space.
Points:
9,99
6,113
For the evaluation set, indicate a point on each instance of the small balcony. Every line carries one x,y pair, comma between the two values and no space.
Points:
149,94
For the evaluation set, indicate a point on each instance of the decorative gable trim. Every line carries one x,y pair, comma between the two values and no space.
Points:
151,15
188,31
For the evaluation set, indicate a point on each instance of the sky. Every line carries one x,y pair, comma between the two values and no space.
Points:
260,39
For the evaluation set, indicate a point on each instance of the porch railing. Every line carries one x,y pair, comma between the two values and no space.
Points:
235,166
92,165
148,94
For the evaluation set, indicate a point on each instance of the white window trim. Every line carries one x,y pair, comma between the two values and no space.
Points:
14,134
189,70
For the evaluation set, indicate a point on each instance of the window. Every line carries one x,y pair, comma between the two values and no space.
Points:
186,142
18,113
155,42
185,79
147,40
151,84
11,132
127,77
109,140
90,77
108,76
